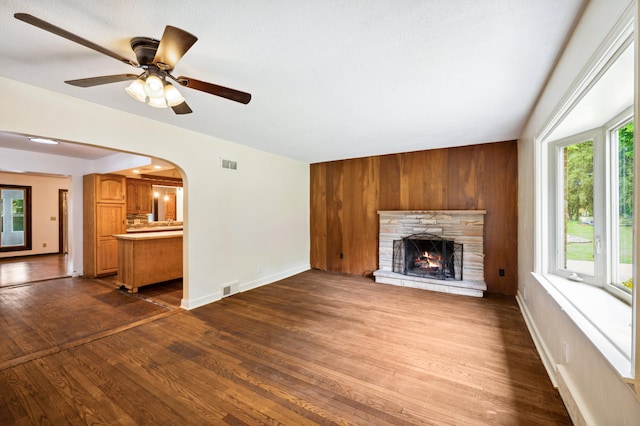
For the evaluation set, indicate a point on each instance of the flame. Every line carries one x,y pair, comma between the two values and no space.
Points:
428,260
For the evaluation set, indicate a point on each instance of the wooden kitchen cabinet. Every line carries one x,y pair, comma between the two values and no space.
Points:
109,188
104,216
139,196
138,255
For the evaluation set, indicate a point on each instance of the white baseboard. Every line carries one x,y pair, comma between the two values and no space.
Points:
189,304
268,279
545,354
572,401
200,301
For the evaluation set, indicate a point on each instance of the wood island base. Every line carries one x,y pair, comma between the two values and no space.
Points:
148,258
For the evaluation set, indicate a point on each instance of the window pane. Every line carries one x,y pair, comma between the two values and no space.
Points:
625,206
578,208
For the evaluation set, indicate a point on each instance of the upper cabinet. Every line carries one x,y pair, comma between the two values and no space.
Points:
110,189
139,196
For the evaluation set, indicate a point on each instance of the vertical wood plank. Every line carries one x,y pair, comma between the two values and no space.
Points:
335,198
461,179
501,224
352,208
434,187
360,216
318,216
371,201
389,182
412,180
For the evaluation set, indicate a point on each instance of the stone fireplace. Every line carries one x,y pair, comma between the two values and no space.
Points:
438,250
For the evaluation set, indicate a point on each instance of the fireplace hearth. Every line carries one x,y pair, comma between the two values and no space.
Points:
424,249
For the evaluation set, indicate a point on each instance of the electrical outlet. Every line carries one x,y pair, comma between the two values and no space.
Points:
565,353
44,244
259,269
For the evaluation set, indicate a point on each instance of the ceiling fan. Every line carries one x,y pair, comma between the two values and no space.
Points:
156,59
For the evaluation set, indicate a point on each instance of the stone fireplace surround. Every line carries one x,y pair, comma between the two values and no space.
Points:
462,226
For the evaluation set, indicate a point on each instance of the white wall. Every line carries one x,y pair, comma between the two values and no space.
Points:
596,388
246,227
44,206
73,168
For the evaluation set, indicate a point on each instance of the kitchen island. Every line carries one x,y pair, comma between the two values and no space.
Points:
148,257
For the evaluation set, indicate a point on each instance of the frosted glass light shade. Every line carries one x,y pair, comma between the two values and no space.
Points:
159,102
154,87
136,90
172,95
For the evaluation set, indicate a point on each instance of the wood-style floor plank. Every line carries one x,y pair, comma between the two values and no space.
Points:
316,348
51,314
24,269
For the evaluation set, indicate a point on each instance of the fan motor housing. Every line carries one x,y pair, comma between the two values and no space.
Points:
145,49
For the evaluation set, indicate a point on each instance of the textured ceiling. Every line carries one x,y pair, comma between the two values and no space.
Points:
330,79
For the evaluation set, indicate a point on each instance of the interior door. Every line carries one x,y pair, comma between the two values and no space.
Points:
63,221
170,207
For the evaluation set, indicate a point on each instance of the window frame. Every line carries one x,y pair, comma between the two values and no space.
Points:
604,204
612,196
27,219
555,201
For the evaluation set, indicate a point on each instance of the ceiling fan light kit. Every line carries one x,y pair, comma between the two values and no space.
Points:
136,90
172,95
157,59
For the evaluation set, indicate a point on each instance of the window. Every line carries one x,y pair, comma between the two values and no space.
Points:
591,206
622,186
576,226
585,166
15,218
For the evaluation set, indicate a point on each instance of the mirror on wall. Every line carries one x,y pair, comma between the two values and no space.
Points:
167,203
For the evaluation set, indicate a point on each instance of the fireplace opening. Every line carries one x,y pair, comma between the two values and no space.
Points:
428,255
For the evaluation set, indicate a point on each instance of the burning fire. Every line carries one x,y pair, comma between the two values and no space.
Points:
428,260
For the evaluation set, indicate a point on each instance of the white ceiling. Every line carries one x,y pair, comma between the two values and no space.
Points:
22,142
330,79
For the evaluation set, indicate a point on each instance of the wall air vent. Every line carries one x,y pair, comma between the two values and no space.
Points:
229,288
228,164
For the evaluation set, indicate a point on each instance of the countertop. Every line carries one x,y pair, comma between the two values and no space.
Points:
156,228
149,235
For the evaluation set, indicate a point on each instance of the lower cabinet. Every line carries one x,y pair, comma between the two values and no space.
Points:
110,221
107,257
102,220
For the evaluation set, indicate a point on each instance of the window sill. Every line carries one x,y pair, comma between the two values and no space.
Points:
604,319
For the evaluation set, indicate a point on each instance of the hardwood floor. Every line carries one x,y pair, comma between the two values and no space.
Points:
168,293
316,348
36,319
24,269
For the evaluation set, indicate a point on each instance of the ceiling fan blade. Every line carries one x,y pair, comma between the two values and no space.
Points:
37,22
174,44
96,81
183,108
214,89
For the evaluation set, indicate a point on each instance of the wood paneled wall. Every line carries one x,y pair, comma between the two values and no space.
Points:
346,196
